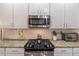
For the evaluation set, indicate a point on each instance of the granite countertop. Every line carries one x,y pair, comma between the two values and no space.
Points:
64,44
12,43
21,43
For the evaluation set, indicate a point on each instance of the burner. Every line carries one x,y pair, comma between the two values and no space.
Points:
39,45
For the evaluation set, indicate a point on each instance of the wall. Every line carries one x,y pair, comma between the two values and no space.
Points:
29,33
0,34
64,30
33,32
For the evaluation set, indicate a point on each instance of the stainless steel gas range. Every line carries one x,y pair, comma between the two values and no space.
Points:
39,47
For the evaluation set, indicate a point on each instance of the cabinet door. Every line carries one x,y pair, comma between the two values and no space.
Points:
71,15
57,15
75,51
39,9
14,51
1,51
63,52
15,54
21,15
5,15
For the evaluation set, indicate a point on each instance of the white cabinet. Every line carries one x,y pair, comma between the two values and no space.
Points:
38,9
57,51
63,52
65,15
75,51
20,15
5,15
2,52
71,15
14,51
57,15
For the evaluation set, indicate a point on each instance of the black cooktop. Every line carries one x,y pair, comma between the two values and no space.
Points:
39,45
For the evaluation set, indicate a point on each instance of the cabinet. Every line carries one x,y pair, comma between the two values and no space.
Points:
64,15
63,52
20,15
14,51
71,15
1,51
5,15
57,15
75,51
38,9
57,51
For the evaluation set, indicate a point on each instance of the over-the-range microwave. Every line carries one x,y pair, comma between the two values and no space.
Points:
39,20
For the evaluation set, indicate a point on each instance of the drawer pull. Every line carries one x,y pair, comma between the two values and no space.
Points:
63,51
14,51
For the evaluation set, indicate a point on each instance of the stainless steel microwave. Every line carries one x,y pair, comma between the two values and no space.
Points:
70,37
39,21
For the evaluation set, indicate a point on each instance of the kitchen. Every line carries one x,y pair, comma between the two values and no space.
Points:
21,22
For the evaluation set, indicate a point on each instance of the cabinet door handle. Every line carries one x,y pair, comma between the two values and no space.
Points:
66,25
14,51
63,51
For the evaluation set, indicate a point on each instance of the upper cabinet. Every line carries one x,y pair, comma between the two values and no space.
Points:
5,15
57,15
20,17
71,15
38,8
64,15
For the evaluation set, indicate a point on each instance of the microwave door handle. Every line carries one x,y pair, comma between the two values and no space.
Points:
46,21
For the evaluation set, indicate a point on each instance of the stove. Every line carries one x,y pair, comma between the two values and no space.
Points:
39,47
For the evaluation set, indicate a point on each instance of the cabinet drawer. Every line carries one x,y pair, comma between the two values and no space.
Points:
63,51
62,54
14,50
1,54
75,54
1,51
14,54
75,51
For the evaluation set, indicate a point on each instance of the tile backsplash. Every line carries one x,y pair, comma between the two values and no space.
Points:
32,33
0,34
28,33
